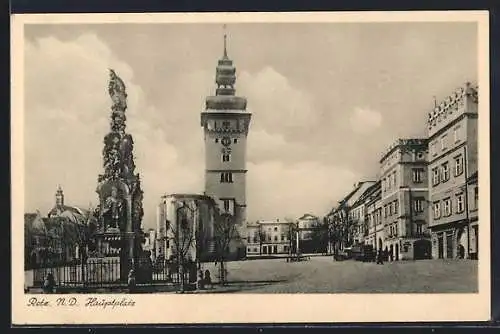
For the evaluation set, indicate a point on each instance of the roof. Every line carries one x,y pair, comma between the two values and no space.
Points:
369,192
308,216
75,214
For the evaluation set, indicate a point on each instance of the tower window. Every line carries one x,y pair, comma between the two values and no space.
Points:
226,157
226,177
216,140
235,140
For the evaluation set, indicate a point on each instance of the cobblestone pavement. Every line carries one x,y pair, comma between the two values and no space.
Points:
323,275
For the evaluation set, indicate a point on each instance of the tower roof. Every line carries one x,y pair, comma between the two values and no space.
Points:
225,78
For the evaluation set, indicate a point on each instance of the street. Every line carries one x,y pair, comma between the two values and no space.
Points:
323,275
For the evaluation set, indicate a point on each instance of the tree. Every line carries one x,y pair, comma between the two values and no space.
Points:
225,231
183,236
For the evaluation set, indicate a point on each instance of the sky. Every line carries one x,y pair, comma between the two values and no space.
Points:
327,99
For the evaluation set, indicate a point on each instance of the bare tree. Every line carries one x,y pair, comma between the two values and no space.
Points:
183,235
225,231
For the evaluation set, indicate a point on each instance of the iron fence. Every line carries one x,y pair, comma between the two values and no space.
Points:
109,272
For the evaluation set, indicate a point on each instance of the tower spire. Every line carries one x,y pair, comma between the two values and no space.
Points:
225,42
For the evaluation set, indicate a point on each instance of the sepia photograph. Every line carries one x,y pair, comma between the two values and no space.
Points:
235,155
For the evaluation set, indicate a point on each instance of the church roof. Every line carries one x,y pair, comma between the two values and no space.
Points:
73,213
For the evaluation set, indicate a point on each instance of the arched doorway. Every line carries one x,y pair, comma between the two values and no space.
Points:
397,253
422,249
380,243
391,252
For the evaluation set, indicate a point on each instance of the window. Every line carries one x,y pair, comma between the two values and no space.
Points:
216,140
275,249
226,157
275,229
394,179
443,142
447,207
226,205
226,124
433,148
417,175
396,230
446,171
437,210
435,176
235,140
459,165
283,237
226,177
460,203
419,205
275,238
420,155
285,248
456,134
396,207
476,197
419,229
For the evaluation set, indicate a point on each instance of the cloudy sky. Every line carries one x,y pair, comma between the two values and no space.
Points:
326,99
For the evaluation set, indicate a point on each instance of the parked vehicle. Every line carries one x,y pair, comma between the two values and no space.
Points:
364,253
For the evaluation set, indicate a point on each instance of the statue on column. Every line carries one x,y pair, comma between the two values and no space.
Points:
113,210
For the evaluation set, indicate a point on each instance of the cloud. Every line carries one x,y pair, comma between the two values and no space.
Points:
67,115
365,121
280,190
275,102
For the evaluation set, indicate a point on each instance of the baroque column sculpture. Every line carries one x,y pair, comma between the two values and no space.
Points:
120,209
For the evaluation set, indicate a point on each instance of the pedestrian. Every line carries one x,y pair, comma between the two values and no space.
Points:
380,255
49,284
131,280
208,279
200,283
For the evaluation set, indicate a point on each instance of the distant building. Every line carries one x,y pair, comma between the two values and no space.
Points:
373,230
348,217
269,237
312,234
453,136
58,238
403,175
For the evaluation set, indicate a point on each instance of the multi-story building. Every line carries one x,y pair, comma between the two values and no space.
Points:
312,234
275,236
453,135
344,223
268,237
473,206
374,227
403,177
226,122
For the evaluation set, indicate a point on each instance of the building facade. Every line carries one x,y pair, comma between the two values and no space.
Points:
404,198
226,123
269,237
374,227
453,135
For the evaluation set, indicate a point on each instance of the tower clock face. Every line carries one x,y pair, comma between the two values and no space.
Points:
226,141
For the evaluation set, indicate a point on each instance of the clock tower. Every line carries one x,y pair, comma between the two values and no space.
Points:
225,122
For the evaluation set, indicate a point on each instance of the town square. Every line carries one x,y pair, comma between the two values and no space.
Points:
169,159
